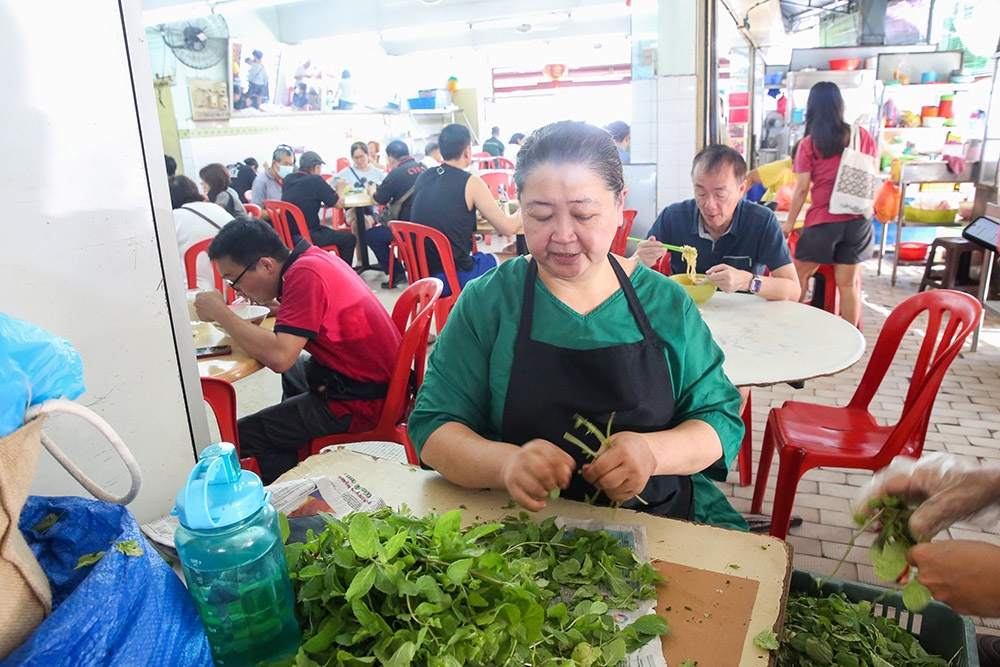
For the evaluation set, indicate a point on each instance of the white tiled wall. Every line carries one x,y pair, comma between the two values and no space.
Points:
676,107
643,148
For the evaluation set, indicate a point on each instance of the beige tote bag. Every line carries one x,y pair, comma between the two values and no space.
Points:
25,598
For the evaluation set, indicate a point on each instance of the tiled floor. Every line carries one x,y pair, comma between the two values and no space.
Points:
964,422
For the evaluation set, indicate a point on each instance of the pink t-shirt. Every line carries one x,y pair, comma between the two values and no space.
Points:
823,174
349,330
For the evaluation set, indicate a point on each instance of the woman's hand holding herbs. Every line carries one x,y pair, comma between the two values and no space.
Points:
943,488
955,572
623,466
535,469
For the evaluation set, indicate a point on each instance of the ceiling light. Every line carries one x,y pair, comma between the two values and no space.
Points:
517,22
523,28
430,2
450,29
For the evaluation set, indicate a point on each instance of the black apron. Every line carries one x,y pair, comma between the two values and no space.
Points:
549,385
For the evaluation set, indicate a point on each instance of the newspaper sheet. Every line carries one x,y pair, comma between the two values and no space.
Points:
338,496
634,537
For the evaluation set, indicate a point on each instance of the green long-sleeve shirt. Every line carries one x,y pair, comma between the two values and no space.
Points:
469,368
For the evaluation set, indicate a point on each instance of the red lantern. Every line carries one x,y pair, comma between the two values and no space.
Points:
554,72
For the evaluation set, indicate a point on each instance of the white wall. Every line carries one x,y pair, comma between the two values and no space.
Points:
81,255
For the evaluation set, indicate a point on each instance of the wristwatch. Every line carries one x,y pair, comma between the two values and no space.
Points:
755,284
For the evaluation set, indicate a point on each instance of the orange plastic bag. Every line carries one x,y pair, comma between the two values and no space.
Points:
887,202
784,196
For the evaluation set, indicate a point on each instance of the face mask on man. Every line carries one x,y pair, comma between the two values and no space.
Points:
285,169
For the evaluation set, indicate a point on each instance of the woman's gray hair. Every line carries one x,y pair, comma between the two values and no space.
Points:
572,142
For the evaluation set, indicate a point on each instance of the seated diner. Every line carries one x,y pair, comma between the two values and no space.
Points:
573,330
448,198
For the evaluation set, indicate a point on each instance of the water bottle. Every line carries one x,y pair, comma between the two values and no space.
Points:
502,192
229,544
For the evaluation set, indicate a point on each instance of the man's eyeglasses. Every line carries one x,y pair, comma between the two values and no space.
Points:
233,283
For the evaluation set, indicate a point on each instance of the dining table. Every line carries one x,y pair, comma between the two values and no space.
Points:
230,367
772,342
722,587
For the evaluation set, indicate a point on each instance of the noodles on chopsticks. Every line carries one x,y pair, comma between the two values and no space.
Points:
690,256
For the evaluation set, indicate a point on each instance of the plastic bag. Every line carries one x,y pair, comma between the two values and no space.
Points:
123,610
943,488
34,367
784,196
887,202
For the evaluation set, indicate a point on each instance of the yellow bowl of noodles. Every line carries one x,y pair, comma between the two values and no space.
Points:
700,293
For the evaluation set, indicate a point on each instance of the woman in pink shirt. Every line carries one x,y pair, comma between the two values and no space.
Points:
844,240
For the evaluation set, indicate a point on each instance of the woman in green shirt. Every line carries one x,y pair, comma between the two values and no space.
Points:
574,330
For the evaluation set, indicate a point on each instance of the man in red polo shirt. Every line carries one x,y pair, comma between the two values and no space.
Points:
326,310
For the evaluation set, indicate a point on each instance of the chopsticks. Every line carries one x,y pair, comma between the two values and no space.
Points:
675,248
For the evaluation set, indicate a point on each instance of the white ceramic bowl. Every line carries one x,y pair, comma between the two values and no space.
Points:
255,314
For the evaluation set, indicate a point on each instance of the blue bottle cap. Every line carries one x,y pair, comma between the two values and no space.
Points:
218,492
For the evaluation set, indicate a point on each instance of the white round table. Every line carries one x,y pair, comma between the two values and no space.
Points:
770,342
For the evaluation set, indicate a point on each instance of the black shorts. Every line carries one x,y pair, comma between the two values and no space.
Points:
847,242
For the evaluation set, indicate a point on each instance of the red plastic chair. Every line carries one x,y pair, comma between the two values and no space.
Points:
485,160
503,163
342,164
412,314
618,246
252,209
809,436
221,397
280,212
825,293
411,241
494,179
191,269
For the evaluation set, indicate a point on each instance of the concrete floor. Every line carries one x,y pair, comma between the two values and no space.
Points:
965,421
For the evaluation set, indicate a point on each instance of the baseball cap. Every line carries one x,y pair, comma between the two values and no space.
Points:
310,159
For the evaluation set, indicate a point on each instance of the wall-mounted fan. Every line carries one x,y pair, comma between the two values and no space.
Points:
200,42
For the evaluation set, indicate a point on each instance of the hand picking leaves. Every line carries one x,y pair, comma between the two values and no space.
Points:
603,438
888,551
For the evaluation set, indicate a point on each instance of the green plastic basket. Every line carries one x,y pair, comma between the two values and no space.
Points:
938,629
945,217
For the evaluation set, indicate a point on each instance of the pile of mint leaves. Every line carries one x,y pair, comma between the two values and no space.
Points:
393,589
835,631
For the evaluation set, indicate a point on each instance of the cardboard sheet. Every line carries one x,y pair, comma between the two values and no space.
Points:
708,612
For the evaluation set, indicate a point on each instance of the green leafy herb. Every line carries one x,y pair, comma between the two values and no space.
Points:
603,438
688,663
834,631
390,588
88,559
766,640
129,547
888,552
43,526
916,596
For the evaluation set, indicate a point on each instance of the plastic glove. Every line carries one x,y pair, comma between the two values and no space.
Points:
947,489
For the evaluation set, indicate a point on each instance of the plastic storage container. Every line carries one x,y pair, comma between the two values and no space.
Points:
229,544
939,630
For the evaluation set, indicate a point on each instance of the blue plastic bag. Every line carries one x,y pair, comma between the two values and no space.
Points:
34,367
123,610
